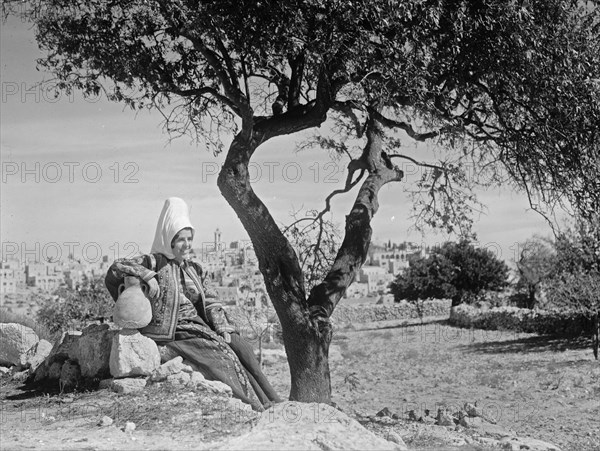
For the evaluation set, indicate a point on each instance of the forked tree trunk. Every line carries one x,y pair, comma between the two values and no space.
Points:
305,320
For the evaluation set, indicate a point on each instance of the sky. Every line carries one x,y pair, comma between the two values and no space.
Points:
89,177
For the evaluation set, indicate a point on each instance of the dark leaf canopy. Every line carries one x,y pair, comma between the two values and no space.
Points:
513,83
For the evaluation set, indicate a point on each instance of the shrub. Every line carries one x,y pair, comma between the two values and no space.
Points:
74,309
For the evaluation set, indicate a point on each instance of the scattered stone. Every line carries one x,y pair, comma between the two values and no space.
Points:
20,376
93,350
385,412
427,420
133,354
179,378
196,378
240,407
35,355
216,387
444,418
129,427
472,410
4,370
128,385
394,437
166,354
15,339
161,373
70,375
412,416
187,369
471,422
105,421
525,443
68,399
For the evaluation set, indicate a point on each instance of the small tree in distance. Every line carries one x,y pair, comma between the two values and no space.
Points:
536,263
459,271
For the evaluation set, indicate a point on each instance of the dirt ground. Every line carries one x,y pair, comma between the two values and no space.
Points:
539,387
542,388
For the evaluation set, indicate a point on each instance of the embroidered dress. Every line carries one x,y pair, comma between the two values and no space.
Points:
187,317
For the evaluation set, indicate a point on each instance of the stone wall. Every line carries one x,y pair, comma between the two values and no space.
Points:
356,314
401,310
543,322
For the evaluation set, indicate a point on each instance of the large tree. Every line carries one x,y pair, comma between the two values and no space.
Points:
512,86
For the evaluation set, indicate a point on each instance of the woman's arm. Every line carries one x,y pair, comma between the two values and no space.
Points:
214,309
138,267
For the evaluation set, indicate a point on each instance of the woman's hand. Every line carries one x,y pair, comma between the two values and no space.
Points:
226,336
153,289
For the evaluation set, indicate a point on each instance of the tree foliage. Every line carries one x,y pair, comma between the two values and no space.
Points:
575,281
459,271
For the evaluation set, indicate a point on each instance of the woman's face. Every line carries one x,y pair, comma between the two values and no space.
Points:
182,244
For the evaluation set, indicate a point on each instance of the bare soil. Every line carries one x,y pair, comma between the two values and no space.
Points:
539,387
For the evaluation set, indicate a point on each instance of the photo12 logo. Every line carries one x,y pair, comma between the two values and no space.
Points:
69,172
54,252
43,92
290,172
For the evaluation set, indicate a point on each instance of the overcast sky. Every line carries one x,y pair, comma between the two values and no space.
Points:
90,175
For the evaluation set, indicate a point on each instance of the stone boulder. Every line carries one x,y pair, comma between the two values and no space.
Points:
93,350
35,356
179,378
124,386
165,370
307,426
133,354
15,339
198,380
65,347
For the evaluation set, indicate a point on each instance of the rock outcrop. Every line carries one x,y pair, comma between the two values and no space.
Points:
15,339
308,426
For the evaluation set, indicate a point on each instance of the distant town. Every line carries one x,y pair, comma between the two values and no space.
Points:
231,269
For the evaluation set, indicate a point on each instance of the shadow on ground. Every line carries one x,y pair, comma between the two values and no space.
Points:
399,324
538,343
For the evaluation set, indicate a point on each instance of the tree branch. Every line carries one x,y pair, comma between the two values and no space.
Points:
353,252
410,131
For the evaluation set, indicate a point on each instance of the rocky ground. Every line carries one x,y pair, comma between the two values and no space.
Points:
396,379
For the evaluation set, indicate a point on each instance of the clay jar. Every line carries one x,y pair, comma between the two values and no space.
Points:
133,309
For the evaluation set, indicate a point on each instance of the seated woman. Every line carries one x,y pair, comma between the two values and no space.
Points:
186,316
